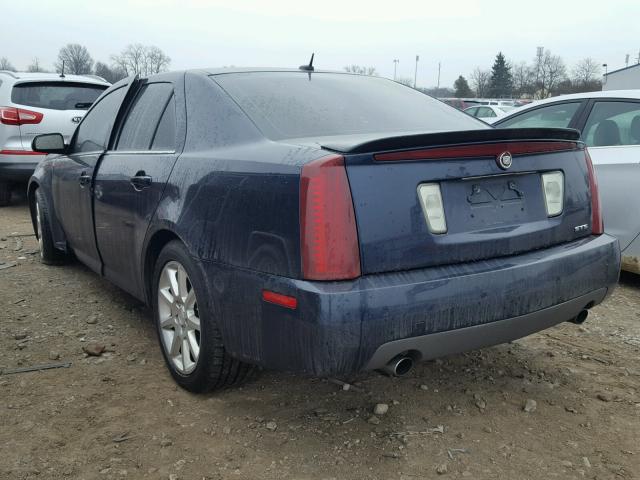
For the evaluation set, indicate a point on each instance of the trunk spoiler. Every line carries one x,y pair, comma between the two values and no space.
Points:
437,139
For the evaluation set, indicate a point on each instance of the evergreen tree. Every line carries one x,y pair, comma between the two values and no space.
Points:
462,88
501,83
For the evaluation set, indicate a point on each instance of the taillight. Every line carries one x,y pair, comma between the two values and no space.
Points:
19,116
329,239
597,224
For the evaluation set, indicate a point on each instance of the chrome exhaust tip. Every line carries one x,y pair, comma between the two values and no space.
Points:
398,366
581,317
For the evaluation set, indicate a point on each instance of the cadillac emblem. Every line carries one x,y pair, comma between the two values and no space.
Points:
504,160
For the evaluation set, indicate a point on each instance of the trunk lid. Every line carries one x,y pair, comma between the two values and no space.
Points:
490,211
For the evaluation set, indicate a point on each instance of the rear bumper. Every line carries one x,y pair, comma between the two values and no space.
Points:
18,168
427,347
345,327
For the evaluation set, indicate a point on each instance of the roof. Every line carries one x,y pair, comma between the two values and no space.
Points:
621,69
54,76
631,94
217,71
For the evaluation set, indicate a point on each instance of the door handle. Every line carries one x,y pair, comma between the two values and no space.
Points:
84,179
141,181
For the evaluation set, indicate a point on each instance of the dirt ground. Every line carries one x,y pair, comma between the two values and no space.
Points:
120,415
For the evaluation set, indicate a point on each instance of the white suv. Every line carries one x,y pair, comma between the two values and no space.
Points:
34,103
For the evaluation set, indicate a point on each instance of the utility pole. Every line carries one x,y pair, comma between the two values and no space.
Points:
395,67
604,65
438,75
539,54
415,75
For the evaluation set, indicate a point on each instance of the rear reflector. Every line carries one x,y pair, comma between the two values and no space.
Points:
553,189
329,239
432,206
597,224
479,150
279,299
19,116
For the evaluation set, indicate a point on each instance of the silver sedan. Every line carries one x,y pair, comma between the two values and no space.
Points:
610,125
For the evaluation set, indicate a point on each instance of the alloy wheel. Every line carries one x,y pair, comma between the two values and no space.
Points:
39,228
178,317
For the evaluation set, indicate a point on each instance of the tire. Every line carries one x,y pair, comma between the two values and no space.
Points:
5,193
182,324
49,254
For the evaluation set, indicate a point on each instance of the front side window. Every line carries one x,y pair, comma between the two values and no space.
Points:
56,95
558,115
613,123
143,117
93,133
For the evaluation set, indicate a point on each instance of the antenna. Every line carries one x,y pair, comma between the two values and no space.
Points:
62,72
308,68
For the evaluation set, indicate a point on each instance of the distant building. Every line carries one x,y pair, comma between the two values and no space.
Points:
622,79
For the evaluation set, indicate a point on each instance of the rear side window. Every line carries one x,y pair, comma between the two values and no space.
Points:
613,123
295,104
556,116
165,136
92,134
56,95
143,117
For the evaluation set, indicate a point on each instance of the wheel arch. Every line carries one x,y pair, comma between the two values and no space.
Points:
154,245
31,200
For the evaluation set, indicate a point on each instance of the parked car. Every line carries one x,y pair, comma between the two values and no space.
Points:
610,125
267,224
33,103
488,113
455,103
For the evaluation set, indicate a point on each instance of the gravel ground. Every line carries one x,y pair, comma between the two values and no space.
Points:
563,404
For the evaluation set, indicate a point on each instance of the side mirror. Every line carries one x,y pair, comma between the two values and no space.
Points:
48,143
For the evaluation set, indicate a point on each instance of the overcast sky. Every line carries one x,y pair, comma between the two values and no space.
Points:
461,34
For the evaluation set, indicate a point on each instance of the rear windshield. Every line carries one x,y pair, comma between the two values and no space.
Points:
293,105
56,95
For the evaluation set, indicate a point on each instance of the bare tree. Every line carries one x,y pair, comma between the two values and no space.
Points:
361,70
480,80
110,74
5,64
586,71
140,59
550,72
524,79
35,66
76,59
157,60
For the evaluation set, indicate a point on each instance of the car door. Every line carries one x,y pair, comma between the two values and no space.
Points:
612,134
131,178
73,176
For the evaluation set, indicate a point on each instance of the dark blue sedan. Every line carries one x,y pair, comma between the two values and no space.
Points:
321,222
